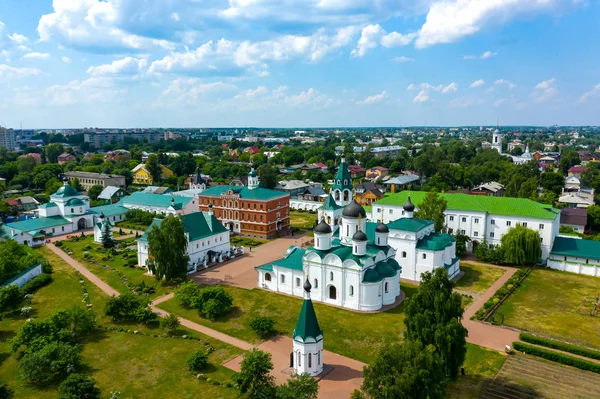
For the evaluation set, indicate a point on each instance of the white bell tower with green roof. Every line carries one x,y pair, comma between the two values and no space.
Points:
342,185
308,339
253,180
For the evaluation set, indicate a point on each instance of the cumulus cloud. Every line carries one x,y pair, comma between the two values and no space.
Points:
592,93
190,90
263,98
18,38
545,90
477,83
9,71
65,59
504,82
421,97
373,35
451,88
425,88
377,98
37,56
402,59
499,102
95,89
125,66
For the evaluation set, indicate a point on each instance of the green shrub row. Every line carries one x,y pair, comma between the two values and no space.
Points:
35,283
563,346
557,357
502,292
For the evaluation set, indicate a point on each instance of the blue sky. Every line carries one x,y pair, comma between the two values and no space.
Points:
238,63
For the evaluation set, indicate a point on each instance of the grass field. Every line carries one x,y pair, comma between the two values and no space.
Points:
95,264
246,241
550,303
477,278
138,366
303,220
127,226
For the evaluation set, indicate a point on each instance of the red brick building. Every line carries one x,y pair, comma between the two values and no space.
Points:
252,211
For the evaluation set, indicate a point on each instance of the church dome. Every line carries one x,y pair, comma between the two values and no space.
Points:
66,191
359,236
307,286
252,173
382,228
409,206
323,228
75,202
354,210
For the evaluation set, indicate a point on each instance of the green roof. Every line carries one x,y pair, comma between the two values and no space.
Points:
435,242
291,260
38,224
380,271
409,224
330,203
197,224
66,191
48,205
343,180
109,210
259,193
577,248
505,206
75,202
307,325
158,200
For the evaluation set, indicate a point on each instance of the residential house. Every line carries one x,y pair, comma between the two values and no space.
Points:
491,189
356,171
576,218
34,155
576,171
66,157
377,172
401,182
391,151
143,177
112,194
516,144
28,203
572,183
368,192
240,181
117,155
577,199
157,190
292,187
313,194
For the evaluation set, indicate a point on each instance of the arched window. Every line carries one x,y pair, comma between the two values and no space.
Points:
309,360
332,293
346,196
328,219
316,283
318,358
337,195
403,254
385,287
330,276
339,182
80,210
347,229
378,243
299,357
283,279
317,242
72,210
424,256
351,290
345,182
267,276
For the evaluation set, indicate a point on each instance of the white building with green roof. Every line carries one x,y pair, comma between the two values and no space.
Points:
480,217
576,256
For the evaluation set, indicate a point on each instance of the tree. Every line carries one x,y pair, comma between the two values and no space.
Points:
129,307
81,321
254,377
461,244
187,294
262,325
79,386
568,159
268,176
198,360
521,245
529,188
76,184
5,391
299,387
11,297
433,317
433,208
170,323
406,370
53,151
552,181
53,360
212,302
167,243
94,192
593,218
107,240
52,186
154,168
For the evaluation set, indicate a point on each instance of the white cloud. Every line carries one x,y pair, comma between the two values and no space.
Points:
263,98
450,20
403,59
426,88
411,86
592,93
545,90
451,88
477,83
396,39
483,56
421,97
499,102
18,38
506,83
469,57
37,56
95,89
65,59
373,35
9,71
190,90
490,90
125,66
377,98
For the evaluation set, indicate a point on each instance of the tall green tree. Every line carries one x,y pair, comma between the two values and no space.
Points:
94,192
568,158
167,244
76,184
299,387
521,246
254,377
433,317
107,239
407,370
593,218
268,176
53,151
432,208
154,168
552,181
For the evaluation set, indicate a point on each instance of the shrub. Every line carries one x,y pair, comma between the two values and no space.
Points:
557,357
132,262
130,307
262,325
36,283
170,324
10,297
187,294
55,359
198,360
58,244
502,292
79,386
563,346
213,302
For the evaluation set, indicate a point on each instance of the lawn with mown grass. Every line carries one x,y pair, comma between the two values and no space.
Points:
130,226
303,220
138,366
356,335
477,278
557,305
117,274
246,241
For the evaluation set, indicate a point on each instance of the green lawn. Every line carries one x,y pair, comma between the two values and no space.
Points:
551,303
246,241
303,220
357,335
480,365
95,264
127,226
477,278
138,366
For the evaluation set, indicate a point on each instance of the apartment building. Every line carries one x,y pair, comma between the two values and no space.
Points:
89,179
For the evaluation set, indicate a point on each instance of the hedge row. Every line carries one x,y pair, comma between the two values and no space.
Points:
557,357
501,294
563,346
35,283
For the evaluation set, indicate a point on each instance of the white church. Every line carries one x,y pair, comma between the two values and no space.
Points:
517,159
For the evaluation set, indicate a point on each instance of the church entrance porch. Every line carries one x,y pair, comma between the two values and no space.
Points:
81,224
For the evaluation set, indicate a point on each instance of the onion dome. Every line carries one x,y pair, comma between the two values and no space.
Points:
252,173
359,236
409,206
101,215
307,286
354,210
382,228
323,228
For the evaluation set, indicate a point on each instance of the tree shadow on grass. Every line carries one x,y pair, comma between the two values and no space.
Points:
469,279
234,313
502,387
6,335
4,356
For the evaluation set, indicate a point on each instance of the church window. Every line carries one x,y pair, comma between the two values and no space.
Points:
424,256
450,231
351,290
80,210
319,358
541,227
299,357
332,293
491,235
378,243
524,224
331,276
452,218
492,221
309,360
297,282
508,223
391,211
404,254
72,210
385,287
476,234
318,242
283,279
347,229
63,228
339,182
316,283
476,221
328,219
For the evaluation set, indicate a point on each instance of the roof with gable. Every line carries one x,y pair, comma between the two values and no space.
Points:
156,200
198,225
38,223
435,242
589,249
259,194
409,224
343,180
577,169
109,210
330,204
109,192
291,260
307,325
575,216
506,206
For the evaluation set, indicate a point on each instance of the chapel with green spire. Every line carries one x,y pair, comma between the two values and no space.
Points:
308,339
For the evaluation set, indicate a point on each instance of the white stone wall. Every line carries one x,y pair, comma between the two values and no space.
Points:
304,205
35,271
302,365
589,267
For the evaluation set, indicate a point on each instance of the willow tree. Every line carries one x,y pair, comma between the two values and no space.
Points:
167,245
521,246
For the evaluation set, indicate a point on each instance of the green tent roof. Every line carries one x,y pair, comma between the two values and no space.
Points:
307,325
330,204
505,206
66,191
291,260
343,180
409,224
197,224
577,248
435,242
260,193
